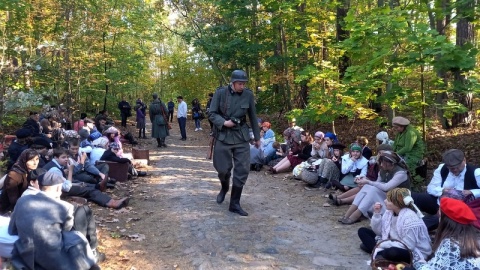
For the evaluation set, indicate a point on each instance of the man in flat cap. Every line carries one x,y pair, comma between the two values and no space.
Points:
453,174
45,237
409,145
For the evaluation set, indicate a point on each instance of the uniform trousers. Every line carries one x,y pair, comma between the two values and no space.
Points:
228,156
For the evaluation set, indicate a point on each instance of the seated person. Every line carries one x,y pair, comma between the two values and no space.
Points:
268,135
18,145
6,240
366,151
453,173
99,147
382,138
33,124
456,243
60,166
353,165
16,180
272,151
83,170
296,155
42,146
372,175
401,221
325,171
256,157
45,237
320,146
111,155
393,173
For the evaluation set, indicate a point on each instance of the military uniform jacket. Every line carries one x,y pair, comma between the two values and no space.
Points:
226,104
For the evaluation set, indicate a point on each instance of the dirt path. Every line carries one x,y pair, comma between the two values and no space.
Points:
173,221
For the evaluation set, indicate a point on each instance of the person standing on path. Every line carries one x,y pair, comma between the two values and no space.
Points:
182,117
125,111
228,110
171,107
158,117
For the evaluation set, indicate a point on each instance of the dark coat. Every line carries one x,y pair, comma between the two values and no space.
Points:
15,184
158,117
45,240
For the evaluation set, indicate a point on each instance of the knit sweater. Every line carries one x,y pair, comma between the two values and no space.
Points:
410,228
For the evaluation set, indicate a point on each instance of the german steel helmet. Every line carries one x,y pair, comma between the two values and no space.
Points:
238,76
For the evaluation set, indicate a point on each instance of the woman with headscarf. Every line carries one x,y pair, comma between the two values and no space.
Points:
393,173
319,146
402,221
456,243
326,171
16,180
382,138
354,165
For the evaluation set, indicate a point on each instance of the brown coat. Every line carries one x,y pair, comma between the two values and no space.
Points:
14,186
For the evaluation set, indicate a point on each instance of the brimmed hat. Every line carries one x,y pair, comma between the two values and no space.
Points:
42,142
50,179
401,121
453,157
338,146
457,210
23,133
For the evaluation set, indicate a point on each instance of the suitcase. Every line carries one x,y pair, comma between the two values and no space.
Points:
141,154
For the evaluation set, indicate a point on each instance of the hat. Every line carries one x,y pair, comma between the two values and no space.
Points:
338,146
110,130
95,135
384,147
457,210
401,121
102,142
42,142
113,145
453,157
355,147
266,124
319,134
23,133
50,179
83,133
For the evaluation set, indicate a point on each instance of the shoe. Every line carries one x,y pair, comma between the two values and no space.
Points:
117,204
330,196
110,186
112,180
200,129
341,219
235,201
99,256
337,201
348,221
102,186
364,248
95,267
141,173
196,129
164,145
223,191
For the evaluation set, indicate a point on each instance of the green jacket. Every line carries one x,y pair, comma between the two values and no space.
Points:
409,145
226,104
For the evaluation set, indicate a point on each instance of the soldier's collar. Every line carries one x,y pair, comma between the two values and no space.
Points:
230,87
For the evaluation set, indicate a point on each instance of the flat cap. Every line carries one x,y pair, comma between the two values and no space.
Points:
401,121
453,157
50,179
83,133
384,147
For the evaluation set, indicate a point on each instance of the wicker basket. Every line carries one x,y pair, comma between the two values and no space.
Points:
383,263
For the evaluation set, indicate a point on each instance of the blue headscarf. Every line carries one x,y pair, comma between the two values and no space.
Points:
332,137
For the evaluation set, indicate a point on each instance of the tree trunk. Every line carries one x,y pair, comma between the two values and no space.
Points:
462,93
342,34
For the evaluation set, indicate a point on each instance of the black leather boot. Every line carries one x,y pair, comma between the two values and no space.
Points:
159,142
139,133
163,142
235,201
223,191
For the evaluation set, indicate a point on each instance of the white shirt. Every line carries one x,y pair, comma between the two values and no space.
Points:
182,110
435,187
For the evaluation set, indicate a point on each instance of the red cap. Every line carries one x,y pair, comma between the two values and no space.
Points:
457,210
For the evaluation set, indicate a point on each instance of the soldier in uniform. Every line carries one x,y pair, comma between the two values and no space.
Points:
228,111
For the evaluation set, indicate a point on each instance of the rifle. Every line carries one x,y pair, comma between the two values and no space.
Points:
210,148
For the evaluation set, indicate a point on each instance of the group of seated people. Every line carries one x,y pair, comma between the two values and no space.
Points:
379,188
47,169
